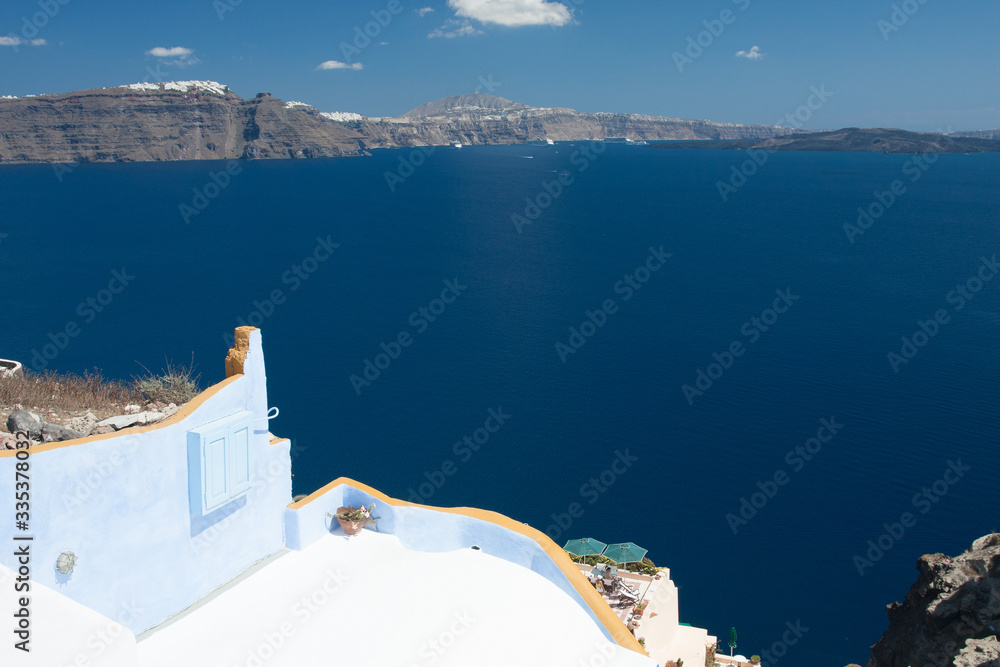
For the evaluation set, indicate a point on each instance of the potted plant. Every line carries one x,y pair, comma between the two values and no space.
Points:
352,519
755,660
640,607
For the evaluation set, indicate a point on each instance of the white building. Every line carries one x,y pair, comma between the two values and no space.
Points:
189,551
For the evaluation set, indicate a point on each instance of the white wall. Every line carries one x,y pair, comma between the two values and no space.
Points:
121,505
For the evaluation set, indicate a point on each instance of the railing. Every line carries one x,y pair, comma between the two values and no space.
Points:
9,368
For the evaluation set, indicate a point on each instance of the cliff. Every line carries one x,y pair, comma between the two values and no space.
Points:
951,615
877,140
192,120
204,120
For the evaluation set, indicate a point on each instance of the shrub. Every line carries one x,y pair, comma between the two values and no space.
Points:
177,384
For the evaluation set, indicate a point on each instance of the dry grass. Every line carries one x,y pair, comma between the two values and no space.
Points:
60,396
68,392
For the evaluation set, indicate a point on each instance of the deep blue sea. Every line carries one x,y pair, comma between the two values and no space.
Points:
606,432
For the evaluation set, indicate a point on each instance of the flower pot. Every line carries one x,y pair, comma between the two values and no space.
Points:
349,527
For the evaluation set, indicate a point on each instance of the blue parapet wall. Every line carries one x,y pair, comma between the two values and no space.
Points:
121,504
427,529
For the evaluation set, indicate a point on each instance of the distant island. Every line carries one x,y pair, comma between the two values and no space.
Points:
205,120
878,140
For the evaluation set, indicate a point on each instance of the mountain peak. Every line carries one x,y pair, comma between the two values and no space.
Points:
462,102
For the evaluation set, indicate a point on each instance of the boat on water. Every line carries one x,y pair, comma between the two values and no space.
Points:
617,140
543,142
456,145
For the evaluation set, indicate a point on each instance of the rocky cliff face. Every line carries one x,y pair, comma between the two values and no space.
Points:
199,120
194,120
951,616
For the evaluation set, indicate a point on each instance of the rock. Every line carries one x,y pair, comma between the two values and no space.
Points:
170,410
83,424
132,409
8,441
56,433
28,422
979,653
151,417
951,614
101,429
121,421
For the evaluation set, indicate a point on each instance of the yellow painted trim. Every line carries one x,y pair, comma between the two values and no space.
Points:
275,440
562,560
183,413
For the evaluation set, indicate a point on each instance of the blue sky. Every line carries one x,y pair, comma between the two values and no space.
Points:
928,65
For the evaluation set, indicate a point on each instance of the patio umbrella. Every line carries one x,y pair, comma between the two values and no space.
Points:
584,546
732,642
625,552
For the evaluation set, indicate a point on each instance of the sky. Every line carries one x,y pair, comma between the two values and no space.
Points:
914,64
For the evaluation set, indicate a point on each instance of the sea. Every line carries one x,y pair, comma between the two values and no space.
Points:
775,372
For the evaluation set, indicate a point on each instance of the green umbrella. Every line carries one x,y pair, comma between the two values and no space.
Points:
732,642
625,552
584,546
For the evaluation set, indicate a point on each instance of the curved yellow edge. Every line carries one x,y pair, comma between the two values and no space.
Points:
183,413
562,560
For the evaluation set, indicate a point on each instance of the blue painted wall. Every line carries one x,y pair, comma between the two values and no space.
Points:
425,529
121,505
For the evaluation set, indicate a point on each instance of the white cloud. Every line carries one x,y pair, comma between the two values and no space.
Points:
753,54
424,11
513,13
453,28
336,64
14,40
181,55
172,52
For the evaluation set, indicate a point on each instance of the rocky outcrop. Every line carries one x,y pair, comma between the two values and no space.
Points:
40,431
178,121
36,429
950,616
204,120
